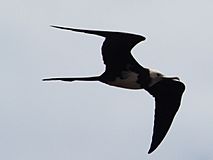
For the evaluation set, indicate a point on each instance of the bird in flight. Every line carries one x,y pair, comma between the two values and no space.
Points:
122,70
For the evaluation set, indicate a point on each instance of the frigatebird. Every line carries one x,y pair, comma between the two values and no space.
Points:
122,70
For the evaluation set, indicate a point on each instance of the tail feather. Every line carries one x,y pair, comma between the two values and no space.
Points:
97,78
59,79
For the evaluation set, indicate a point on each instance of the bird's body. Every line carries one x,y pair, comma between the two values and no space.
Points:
127,80
122,70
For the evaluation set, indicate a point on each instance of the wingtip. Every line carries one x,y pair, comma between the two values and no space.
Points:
151,149
67,28
45,79
54,26
149,152
49,79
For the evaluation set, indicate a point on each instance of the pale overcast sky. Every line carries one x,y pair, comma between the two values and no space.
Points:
92,121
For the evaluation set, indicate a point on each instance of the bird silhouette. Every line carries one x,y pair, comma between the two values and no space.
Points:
122,70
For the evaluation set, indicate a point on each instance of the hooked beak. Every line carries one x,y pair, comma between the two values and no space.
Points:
172,78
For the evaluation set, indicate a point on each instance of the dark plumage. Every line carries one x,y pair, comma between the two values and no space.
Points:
122,70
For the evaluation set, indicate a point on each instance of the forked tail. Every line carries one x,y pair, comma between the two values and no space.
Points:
73,79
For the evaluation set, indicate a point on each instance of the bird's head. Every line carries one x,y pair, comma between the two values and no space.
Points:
156,76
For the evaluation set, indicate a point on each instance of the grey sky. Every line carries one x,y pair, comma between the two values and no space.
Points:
92,121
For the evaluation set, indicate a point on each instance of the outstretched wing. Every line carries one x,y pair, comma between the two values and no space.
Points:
167,95
116,48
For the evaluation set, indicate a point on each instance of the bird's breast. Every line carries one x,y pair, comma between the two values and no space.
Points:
127,80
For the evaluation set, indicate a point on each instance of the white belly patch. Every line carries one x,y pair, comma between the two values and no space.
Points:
128,80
